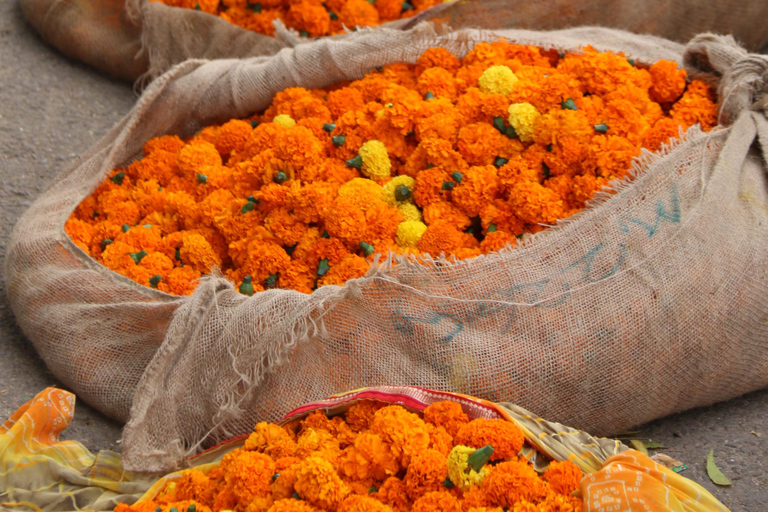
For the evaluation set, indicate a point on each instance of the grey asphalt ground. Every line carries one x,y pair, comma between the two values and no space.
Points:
53,109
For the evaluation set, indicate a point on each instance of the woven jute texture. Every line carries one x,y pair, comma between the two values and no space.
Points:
143,38
652,300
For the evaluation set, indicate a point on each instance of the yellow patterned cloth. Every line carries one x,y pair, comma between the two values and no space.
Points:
42,473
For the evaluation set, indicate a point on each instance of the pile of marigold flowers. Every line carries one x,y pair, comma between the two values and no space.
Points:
311,18
450,156
378,457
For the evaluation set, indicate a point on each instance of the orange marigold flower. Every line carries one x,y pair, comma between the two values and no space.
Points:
193,485
560,503
310,18
481,143
614,155
318,443
351,267
362,193
438,501
297,276
389,9
247,475
443,211
370,457
318,483
180,280
525,506
356,503
426,473
282,486
668,81
169,143
346,222
404,431
434,153
534,203
80,232
510,482
478,187
444,238
358,13
475,498
478,107
392,492
344,100
196,155
270,439
429,189
447,414
519,170
287,229
661,133
197,251
563,477
439,82
439,439
232,136
505,437
292,505
696,107
439,57
360,414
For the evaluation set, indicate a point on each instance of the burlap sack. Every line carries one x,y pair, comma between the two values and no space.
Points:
651,301
131,38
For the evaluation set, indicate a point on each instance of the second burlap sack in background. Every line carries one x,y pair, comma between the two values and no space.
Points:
651,301
133,38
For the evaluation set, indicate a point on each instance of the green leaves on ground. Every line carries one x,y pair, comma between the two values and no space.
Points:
714,472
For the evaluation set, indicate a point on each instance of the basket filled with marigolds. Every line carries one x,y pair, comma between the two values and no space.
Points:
567,220
409,449
446,157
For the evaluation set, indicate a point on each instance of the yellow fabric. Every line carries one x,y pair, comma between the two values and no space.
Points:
41,473
632,482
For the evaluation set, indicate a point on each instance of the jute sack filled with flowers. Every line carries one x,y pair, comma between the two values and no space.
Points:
404,448
599,321
134,38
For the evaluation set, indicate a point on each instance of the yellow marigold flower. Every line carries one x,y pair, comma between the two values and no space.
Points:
461,474
497,80
376,164
522,117
394,193
318,483
284,120
409,233
410,211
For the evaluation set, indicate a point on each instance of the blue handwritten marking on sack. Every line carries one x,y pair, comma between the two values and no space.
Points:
405,323
661,214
